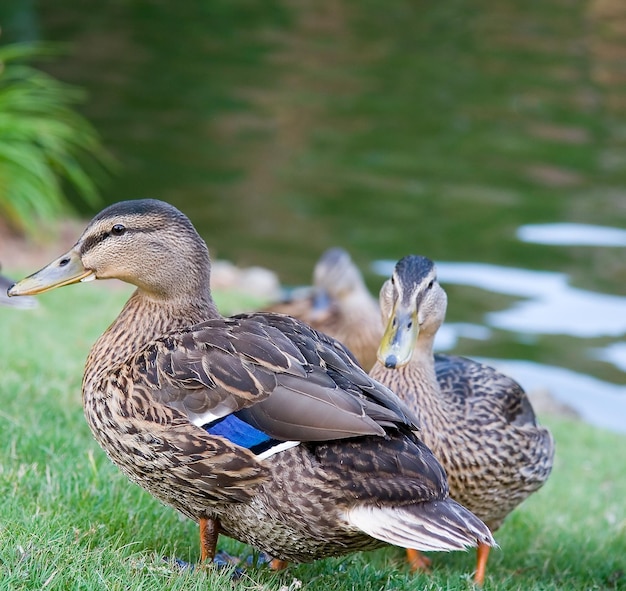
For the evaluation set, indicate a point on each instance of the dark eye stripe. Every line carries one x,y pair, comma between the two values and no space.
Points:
93,241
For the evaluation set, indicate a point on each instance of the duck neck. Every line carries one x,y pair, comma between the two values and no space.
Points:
422,362
143,319
416,383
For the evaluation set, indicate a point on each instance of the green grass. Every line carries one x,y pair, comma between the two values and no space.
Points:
70,520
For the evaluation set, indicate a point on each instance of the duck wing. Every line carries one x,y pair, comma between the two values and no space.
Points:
485,391
275,373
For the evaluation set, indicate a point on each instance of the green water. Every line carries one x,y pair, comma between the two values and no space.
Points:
284,127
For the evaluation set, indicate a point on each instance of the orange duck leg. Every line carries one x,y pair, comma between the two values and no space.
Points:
418,562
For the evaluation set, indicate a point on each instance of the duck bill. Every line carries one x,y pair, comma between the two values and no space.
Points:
65,270
396,346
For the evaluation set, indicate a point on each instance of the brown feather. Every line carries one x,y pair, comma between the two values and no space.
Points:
351,315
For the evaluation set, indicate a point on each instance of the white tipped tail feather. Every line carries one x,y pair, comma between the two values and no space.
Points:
430,526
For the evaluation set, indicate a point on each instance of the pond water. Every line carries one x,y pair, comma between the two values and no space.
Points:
488,136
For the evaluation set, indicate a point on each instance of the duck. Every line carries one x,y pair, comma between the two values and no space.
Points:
255,426
340,305
477,421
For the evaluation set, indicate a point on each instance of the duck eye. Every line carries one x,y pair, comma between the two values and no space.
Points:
430,285
118,230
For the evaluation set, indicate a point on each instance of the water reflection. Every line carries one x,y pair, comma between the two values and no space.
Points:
563,234
598,402
465,131
552,307
614,354
450,333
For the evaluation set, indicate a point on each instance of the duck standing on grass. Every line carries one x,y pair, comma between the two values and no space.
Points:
255,426
340,305
477,421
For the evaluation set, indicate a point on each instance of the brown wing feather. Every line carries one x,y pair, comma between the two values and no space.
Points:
158,439
485,391
296,383
399,469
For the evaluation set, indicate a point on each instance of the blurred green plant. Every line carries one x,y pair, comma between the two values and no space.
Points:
46,146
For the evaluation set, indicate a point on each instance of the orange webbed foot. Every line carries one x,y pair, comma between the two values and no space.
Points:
417,561
277,564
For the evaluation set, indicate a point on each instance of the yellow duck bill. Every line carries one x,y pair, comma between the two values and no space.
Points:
65,270
396,346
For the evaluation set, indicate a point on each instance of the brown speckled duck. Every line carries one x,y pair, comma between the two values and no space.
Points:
339,305
254,426
477,421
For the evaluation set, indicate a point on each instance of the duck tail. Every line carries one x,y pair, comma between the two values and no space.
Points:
442,525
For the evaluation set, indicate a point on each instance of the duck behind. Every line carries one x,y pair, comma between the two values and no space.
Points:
340,305
477,421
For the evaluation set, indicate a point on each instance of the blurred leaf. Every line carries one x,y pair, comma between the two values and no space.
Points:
46,145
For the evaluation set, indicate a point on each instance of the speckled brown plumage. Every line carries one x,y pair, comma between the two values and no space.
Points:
348,471
478,422
339,305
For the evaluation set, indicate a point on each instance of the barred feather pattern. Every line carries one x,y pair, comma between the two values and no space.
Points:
295,505
354,321
482,428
